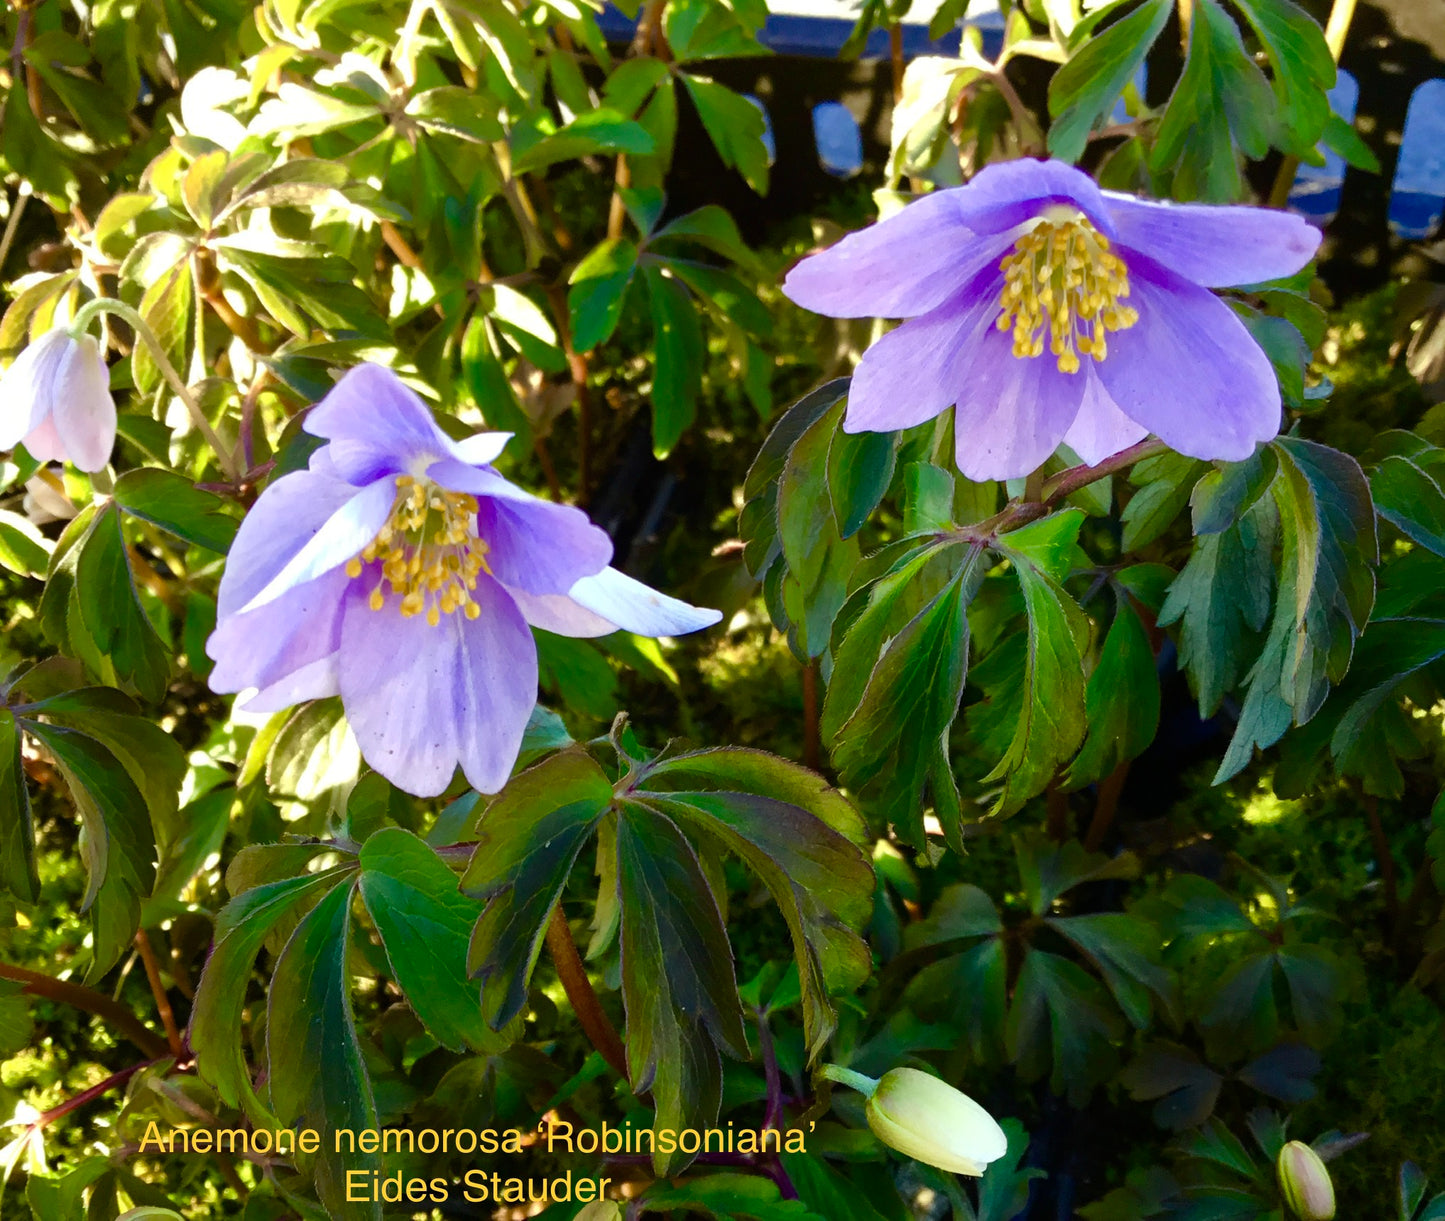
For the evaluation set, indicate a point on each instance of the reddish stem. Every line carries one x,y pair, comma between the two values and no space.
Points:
595,1022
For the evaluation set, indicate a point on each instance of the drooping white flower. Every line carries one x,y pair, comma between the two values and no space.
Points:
928,1119
55,398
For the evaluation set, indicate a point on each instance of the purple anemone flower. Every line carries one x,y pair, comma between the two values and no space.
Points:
1044,310
401,572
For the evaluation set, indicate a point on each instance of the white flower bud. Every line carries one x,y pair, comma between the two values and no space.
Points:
1305,1183
928,1119
56,399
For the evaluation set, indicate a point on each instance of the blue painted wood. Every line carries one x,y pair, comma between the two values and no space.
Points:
1417,195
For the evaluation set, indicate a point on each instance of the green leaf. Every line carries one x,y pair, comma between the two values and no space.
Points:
730,1195
1221,599
1186,1090
468,114
819,562
899,675
1061,1017
316,1073
23,549
1087,85
680,351
17,830
118,846
1411,500
241,928
860,468
1342,138
1121,702
700,29
166,307
822,883
735,127
1326,589
1221,103
1046,707
678,986
597,131
1125,951
598,286
1164,484
177,506
110,610
709,226
304,291
1304,69
425,922
527,843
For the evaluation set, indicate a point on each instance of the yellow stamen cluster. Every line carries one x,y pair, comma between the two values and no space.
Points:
429,550
1063,279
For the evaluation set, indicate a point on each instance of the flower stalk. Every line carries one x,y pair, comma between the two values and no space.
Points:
109,305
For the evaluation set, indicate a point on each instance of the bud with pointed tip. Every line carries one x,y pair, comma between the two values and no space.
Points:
1305,1183
56,399
928,1119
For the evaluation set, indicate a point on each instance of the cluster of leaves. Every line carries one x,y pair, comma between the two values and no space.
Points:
476,194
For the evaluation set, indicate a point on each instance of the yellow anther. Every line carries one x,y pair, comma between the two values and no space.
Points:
1063,289
428,552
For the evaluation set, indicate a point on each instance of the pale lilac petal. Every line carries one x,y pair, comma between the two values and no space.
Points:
262,647
1004,195
1100,430
44,443
1189,372
906,265
539,546
376,426
917,370
25,388
284,518
1012,412
1214,245
635,607
480,449
84,412
423,699
457,476
344,534
312,682
559,614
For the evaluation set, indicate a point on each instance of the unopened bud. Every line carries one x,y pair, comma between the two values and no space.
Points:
928,1119
1305,1183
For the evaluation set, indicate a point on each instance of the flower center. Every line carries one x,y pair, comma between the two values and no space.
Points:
429,550
1062,278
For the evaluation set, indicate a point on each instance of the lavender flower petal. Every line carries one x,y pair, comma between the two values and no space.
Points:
1100,429
423,699
635,607
908,264
1189,372
83,411
1216,246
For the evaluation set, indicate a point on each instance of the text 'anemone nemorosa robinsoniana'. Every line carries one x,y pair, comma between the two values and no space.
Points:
55,400
1044,310
402,573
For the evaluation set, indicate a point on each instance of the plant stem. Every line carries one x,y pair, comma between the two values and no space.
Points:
846,1076
771,1075
1110,787
90,1001
17,210
1385,858
1186,23
577,369
158,988
595,1022
108,305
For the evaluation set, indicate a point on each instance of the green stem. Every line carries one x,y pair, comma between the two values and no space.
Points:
846,1076
1342,12
108,305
